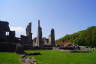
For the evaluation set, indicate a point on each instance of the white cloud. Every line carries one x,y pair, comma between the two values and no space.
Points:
19,30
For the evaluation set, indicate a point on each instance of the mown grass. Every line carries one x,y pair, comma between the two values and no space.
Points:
61,57
51,57
9,58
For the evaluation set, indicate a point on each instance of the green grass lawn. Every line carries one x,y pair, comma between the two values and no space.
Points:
51,57
9,58
61,57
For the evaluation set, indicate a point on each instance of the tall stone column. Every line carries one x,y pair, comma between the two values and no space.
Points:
53,38
39,36
29,33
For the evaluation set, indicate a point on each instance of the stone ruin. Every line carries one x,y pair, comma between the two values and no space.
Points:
9,42
41,42
7,37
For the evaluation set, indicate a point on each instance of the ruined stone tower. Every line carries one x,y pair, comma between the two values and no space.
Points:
52,38
28,32
39,36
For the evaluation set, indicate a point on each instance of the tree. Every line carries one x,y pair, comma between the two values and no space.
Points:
84,38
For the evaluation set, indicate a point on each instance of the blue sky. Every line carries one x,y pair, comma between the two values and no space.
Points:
65,16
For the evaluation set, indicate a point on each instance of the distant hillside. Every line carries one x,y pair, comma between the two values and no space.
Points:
85,37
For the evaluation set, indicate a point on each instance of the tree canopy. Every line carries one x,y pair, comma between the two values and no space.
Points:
84,38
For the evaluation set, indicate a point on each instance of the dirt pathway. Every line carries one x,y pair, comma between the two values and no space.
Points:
27,60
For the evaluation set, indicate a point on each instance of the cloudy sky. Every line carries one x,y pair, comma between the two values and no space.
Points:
65,16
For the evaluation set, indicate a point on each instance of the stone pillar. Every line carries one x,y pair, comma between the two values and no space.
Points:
53,38
28,31
29,35
39,36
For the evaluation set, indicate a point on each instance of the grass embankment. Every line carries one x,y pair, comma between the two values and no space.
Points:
9,58
61,57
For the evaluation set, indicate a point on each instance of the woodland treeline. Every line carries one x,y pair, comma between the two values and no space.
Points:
83,38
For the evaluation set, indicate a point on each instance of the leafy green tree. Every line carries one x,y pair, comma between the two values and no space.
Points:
85,37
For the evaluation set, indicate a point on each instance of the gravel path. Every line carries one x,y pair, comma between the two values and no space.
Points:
27,60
